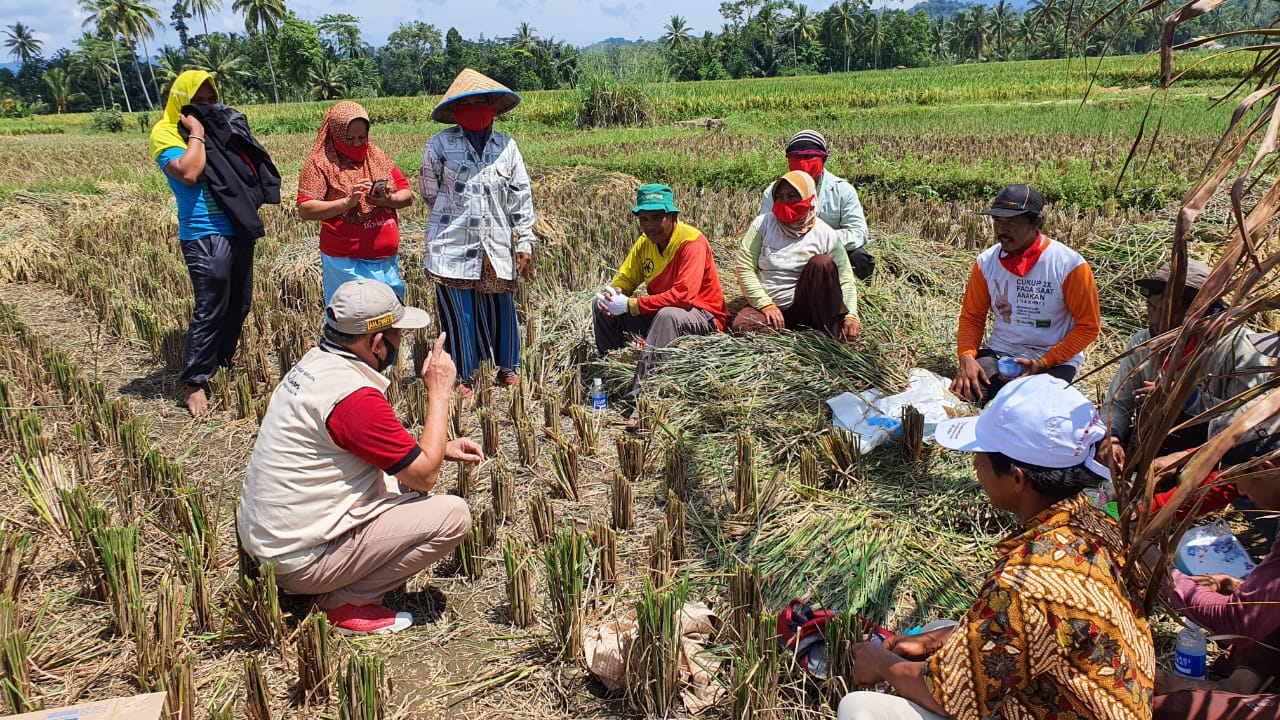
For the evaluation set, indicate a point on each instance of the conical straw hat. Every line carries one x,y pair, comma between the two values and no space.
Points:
470,82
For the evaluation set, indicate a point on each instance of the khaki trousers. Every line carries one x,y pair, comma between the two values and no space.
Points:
358,568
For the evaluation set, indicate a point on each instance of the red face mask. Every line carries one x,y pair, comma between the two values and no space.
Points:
354,153
475,117
789,213
810,165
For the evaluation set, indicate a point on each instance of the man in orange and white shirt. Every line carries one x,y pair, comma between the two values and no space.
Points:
1042,298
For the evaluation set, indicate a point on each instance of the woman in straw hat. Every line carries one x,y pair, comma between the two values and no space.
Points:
480,234
354,189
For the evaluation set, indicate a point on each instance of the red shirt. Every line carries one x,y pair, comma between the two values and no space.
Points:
375,238
364,424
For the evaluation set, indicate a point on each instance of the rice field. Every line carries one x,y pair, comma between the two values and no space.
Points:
118,565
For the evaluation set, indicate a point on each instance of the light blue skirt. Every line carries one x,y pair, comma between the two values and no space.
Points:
337,270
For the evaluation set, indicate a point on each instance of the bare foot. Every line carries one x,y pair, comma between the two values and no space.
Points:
197,401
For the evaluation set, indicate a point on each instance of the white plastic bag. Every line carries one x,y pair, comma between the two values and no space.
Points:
877,419
1212,549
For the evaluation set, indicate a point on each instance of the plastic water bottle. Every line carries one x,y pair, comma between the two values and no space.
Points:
1189,657
598,400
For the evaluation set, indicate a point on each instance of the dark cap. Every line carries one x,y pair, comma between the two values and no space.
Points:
1016,200
1197,276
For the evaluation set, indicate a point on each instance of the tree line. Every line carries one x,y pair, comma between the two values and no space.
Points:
327,58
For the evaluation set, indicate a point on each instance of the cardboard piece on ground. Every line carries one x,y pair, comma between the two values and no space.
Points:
139,707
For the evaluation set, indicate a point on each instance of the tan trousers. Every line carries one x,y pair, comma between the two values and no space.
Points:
358,568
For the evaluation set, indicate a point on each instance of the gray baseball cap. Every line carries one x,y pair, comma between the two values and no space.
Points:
1197,275
360,307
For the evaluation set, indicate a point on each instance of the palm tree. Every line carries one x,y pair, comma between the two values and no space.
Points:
221,58
59,84
94,59
102,21
22,43
873,32
802,27
129,19
262,16
326,79
1003,23
677,33
938,36
172,61
203,9
974,31
843,19
526,38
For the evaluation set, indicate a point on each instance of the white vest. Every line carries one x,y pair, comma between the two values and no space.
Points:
1030,315
301,489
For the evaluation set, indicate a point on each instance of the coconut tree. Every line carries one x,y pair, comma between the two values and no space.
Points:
1004,19
677,34
128,19
22,43
326,79
873,33
171,61
58,80
526,38
802,27
93,59
220,56
261,17
843,23
203,9
102,22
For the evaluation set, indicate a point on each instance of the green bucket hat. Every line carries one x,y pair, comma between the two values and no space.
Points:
655,197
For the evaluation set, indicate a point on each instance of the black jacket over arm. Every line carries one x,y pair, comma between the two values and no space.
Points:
237,168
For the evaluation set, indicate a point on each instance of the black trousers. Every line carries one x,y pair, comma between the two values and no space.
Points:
221,271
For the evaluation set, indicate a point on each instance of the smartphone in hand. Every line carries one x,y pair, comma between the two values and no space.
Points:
379,188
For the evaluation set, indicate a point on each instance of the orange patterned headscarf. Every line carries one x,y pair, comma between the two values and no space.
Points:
327,174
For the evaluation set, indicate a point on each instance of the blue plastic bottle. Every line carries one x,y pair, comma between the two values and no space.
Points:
598,400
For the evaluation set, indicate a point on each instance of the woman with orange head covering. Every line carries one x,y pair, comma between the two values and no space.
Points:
793,269
354,189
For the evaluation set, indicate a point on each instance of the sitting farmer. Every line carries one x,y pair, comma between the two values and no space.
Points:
673,261
336,491
792,268
1245,609
837,202
1227,373
1054,632
1042,296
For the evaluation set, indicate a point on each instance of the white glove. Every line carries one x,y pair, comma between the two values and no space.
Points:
616,302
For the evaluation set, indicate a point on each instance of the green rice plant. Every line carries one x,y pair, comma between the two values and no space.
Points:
464,479
15,660
31,436
587,423
519,406
363,689
745,487
551,413
517,558
180,690
84,517
254,606
489,432
746,603
222,700
469,554
650,415
315,664
605,102
571,382
196,566
660,555
244,396
565,464
43,477
658,634
502,490
526,442
676,524
620,502
842,632
566,564
630,457
416,398
14,555
844,451
811,476
542,517
459,423
158,643
117,550
257,699
753,681
605,541
675,468
488,529
912,434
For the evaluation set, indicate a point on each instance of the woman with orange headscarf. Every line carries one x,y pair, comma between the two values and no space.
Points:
354,189
793,269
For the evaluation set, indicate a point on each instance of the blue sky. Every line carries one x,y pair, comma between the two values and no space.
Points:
57,22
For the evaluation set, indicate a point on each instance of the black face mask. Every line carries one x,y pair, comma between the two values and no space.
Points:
392,355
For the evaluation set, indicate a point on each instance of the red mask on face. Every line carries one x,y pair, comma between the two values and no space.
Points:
354,153
810,165
475,117
789,213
